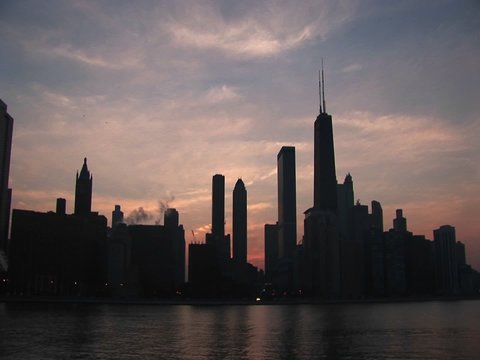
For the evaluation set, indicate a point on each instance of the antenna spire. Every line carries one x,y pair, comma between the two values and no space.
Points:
319,92
323,90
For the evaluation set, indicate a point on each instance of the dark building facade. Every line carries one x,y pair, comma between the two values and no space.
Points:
57,254
60,254
345,201
117,216
321,236
147,260
240,223
287,202
6,131
271,251
325,178
377,216
203,275
122,278
218,205
83,191
153,259
400,222
287,217
353,253
217,238
176,234
239,259
446,260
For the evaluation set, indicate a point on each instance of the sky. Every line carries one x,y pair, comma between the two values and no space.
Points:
162,95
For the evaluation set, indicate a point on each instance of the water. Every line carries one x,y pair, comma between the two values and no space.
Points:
430,330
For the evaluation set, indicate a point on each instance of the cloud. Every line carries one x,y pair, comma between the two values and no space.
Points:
351,68
114,61
266,29
222,93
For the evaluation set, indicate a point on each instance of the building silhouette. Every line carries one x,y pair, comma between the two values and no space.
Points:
218,206
446,260
399,223
153,257
377,215
117,216
203,272
287,217
271,251
395,241
57,254
122,276
345,201
239,223
83,191
325,179
176,235
6,131
147,260
420,266
217,238
239,218
353,255
321,236
61,207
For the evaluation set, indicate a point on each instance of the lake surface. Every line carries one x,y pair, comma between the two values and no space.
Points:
424,330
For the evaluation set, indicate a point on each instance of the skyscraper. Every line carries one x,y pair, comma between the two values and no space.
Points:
287,217
218,205
117,216
176,235
287,202
325,179
321,238
345,203
271,251
446,260
377,216
83,191
240,223
217,238
6,131
399,223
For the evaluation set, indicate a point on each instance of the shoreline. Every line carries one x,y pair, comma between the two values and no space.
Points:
225,302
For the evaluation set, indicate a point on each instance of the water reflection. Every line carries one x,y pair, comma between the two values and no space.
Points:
446,330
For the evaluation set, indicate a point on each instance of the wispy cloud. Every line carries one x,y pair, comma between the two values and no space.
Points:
267,30
351,68
115,61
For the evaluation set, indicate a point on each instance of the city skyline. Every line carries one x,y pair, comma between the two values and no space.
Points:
158,122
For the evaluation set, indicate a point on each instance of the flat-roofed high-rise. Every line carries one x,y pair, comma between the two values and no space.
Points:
6,131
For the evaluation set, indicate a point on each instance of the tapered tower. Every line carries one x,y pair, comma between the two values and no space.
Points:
321,236
83,191
325,178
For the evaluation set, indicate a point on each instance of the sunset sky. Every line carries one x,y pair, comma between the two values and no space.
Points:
162,95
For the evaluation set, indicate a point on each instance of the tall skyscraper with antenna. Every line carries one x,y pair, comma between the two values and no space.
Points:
325,179
321,238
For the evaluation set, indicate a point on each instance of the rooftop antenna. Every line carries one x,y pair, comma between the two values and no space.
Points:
323,90
319,92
